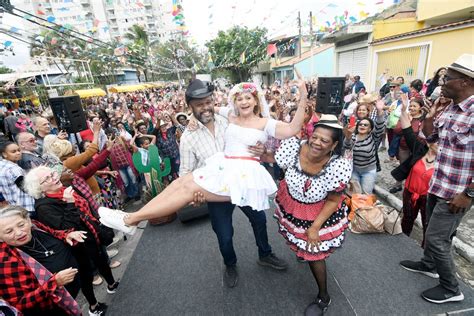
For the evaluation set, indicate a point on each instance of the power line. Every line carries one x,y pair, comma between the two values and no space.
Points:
9,8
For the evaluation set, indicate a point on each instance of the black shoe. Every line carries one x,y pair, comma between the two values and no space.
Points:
112,289
231,276
440,295
418,267
99,310
273,261
318,307
395,189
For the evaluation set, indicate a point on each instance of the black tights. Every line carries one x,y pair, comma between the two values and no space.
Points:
84,254
318,268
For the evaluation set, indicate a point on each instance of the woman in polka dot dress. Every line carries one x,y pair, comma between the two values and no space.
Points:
311,214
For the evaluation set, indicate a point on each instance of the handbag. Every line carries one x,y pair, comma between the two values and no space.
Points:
368,220
106,235
392,219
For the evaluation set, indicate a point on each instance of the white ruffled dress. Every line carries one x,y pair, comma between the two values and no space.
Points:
235,172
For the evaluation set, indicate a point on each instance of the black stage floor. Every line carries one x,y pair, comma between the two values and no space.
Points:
177,270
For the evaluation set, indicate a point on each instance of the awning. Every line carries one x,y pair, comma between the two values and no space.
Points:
88,93
129,88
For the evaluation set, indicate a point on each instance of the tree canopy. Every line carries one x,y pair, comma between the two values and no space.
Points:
238,50
5,70
177,56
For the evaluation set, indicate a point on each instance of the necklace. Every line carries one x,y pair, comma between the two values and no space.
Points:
46,252
429,161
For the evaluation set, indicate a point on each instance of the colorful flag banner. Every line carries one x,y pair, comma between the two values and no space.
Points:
271,49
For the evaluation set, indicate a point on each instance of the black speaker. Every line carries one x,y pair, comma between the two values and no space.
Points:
189,213
330,96
68,113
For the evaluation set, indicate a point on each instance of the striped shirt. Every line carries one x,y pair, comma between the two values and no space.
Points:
198,145
454,166
364,151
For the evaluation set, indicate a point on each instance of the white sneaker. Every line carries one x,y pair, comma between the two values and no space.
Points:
112,253
114,219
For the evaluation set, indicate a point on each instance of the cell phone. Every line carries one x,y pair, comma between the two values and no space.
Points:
352,121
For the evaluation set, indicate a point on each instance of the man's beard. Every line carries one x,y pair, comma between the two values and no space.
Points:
205,120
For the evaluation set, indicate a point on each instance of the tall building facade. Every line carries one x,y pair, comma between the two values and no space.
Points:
79,14
122,14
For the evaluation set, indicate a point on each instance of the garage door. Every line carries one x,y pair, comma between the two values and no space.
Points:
409,62
353,62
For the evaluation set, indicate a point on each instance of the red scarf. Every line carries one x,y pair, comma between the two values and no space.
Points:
85,212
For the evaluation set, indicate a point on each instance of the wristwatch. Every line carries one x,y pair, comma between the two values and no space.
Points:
469,192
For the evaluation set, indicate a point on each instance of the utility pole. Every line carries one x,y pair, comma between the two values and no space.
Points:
299,32
311,37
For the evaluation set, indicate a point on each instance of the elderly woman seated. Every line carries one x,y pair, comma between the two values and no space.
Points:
38,271
63,208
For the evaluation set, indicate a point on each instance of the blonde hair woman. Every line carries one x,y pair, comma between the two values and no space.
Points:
233,175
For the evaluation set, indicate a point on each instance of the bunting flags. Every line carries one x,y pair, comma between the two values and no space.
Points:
271,49
363,14
242,57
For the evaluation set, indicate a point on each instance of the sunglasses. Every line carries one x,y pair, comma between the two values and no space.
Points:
448,78
364,124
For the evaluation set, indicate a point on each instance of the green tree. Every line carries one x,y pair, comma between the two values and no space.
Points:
138,47
5,70
238,49
177,59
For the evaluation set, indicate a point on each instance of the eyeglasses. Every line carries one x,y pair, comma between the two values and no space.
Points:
448,78
53,175
364,124
31,141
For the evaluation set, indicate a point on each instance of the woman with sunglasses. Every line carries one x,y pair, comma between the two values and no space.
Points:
12,176
363,140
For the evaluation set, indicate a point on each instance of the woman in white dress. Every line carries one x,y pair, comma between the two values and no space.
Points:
234,175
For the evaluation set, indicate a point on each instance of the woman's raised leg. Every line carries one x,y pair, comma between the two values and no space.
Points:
174,197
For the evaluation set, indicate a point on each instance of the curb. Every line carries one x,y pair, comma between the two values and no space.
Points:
461,247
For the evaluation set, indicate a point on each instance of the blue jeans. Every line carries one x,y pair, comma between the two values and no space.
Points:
441,226
366,180
221,221
394,145
129,181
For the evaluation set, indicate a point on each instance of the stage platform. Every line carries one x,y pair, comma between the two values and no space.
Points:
177,270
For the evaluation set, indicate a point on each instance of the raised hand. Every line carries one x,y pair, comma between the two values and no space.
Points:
96,125
348,131
110,142
404,99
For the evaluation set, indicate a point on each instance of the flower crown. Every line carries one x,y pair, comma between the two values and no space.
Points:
244,87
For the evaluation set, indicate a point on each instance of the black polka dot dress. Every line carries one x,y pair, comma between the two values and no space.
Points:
301,197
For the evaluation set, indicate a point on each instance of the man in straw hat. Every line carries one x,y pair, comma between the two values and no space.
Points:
451,188
198,145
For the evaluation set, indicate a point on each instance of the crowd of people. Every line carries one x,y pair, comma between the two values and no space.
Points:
230,146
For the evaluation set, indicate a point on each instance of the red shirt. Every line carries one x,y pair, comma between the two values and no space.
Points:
418,181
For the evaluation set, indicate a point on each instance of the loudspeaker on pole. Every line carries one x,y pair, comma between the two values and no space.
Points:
330,96
68,113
